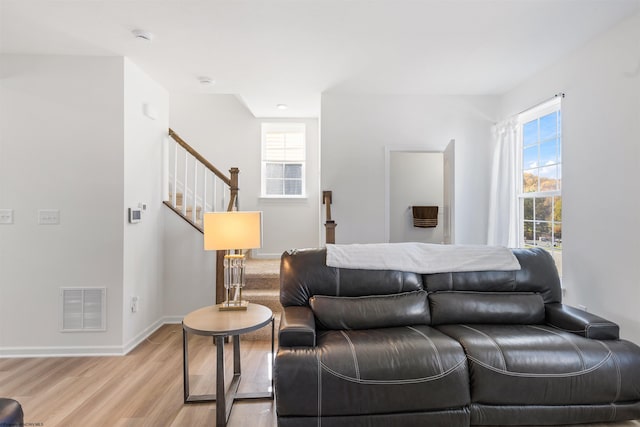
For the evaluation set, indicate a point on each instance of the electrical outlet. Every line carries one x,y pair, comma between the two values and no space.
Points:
6,216
134,304
48,217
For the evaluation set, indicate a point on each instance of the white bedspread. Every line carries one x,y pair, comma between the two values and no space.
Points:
421,258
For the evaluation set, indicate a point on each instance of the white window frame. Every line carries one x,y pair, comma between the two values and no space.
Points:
523,118
282,127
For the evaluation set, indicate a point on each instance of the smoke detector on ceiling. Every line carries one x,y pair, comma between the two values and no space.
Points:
142,34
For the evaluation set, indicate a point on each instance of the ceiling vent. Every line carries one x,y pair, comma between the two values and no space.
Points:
83,309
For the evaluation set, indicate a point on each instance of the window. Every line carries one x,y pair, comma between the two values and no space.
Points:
283,160
541,184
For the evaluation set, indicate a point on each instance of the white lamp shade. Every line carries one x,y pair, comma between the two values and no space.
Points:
232,230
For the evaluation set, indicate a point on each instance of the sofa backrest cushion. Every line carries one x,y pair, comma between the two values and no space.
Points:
303,274
367,312
486,307
538,274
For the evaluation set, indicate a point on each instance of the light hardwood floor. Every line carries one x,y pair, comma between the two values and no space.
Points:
143,388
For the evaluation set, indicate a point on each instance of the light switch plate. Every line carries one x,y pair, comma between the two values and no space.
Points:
48,216
6,216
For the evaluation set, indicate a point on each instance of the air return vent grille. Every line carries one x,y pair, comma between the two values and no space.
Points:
83,309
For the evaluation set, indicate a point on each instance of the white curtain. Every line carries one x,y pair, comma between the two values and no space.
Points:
503,207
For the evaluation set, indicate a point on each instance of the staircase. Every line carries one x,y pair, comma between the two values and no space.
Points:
193,186
263,287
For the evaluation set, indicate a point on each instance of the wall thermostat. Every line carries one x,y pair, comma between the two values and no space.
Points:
135,215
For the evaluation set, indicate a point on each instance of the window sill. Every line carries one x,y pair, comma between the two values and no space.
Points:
283,197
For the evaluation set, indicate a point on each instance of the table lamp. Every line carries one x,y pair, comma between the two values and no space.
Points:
233,232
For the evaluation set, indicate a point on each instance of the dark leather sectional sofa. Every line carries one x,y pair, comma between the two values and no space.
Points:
391,348
11,414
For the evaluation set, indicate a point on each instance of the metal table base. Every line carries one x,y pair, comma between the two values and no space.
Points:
224,403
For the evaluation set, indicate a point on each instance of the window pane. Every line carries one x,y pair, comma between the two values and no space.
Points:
543,234
548,153
528,233
530,133
293,171
557,209
528,209
274,170
548,178
530,157
557,235
548,126
274,186
293,187
530,181
543,208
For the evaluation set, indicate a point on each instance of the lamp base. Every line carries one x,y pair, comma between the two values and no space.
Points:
233,306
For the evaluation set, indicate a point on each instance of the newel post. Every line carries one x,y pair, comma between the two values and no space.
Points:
233,188
330,225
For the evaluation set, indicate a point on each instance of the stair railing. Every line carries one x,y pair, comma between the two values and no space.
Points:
193,186
330,225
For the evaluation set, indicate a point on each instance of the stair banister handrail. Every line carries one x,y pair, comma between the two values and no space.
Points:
201,159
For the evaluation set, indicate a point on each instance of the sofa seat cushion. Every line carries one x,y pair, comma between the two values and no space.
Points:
376,371
540,365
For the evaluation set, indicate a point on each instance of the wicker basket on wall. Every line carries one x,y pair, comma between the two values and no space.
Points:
425,216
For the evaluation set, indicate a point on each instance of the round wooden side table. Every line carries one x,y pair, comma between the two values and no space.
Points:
210,321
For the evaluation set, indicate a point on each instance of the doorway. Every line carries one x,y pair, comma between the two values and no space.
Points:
418,177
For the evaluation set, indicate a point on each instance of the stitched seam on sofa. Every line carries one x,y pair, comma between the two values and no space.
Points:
531,375
319,389
337,282
613,412
573,331
619,375
353,353
571,343
394,382
491,340
382,296
490,292
431,343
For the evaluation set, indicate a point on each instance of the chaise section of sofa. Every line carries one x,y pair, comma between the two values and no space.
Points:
380,347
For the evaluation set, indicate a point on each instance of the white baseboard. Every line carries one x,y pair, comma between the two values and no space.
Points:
88,351
56,351
146,333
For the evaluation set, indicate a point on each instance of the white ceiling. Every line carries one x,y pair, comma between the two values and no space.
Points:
269,52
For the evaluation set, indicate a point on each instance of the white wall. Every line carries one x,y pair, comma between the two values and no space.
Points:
601,159
355,131
61,129
228,135
143,252
189,271
416,179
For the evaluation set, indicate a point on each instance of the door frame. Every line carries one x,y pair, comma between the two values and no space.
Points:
448,157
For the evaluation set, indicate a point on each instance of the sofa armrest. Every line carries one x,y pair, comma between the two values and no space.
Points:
297,327
580,322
